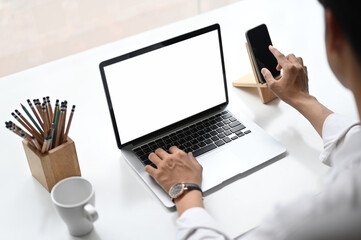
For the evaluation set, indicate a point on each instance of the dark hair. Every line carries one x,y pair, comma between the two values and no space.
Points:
347,14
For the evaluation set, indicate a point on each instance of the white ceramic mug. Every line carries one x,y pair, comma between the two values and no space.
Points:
74,200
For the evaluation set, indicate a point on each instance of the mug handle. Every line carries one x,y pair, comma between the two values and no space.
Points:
91,213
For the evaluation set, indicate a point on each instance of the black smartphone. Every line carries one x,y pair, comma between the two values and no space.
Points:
258,40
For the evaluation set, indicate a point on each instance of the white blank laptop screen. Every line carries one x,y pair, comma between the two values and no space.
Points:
161,87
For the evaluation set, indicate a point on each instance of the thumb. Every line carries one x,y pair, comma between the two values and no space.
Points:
267,75
192,158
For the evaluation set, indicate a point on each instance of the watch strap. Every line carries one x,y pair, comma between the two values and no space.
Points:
192,186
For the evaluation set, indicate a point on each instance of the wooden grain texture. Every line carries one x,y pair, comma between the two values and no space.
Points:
53,166
251,80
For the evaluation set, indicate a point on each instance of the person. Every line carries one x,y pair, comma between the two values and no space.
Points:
335,213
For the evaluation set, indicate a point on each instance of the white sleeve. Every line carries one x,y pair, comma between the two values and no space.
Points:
336,210
196,223
335,130
335,213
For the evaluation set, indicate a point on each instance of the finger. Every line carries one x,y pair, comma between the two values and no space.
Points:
292,58
267,75
192,158
154,158
161,153
300,60
279,67
173,149
151,170
278,55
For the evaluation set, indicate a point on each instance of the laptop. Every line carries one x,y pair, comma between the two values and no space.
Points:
175,93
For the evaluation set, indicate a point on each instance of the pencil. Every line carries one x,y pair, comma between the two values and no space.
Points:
46,108
38,107
55,109
7,125
35,113
50,128
46,122
60,121
51,134
21,122
36,143
20,131
46,144
16,129
56,122
63,124
48,114
69,122
32,119
25,137
11,128
27,126
25,121
50,108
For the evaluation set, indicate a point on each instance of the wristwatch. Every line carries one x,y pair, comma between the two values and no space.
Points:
178,189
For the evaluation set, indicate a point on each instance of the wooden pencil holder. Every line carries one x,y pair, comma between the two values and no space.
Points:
252,81
56,164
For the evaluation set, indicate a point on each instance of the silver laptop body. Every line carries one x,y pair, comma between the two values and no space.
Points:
176,88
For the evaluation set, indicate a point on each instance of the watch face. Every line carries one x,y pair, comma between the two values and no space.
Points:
176,190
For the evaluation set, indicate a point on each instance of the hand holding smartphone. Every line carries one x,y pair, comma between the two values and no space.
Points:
258,40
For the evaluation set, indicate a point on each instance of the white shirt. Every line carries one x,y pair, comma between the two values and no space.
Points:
335,213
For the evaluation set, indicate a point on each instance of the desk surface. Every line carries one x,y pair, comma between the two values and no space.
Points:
127,208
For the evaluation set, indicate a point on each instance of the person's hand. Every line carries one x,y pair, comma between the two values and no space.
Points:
292,86
174,167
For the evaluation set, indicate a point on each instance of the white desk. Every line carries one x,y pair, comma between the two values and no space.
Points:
127,208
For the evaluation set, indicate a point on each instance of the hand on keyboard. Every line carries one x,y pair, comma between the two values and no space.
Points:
174,167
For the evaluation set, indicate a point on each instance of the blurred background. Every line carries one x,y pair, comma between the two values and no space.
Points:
34,32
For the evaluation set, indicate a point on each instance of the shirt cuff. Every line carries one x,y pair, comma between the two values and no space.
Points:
196,223
334,129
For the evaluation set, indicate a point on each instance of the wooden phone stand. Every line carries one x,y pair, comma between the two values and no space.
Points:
251,80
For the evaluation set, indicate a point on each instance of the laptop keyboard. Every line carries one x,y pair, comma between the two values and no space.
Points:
198,138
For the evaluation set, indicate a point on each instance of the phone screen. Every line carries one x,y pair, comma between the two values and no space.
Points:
258,41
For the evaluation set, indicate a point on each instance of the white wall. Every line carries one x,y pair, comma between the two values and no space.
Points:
33,32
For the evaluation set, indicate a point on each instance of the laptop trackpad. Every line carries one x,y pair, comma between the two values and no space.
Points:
220,166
